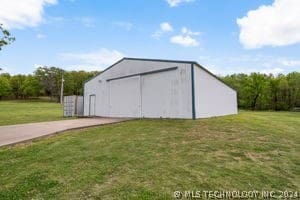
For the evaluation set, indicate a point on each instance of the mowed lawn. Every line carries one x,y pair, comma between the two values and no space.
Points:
18,112
150,159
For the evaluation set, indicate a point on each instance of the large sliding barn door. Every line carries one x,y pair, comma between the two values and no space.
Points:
151,94
160,95
125,97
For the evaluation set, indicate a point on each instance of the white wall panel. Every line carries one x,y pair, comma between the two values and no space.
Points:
92,105
125,97
212,97
161,95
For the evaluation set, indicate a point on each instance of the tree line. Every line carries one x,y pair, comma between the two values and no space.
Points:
266,92
45,81
255,91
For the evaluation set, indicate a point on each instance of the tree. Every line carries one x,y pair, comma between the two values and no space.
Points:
74,81
6,37
283,93
6,75
31,86
239,82
261,92
254,87
16,83
4,87
293,80
50,80
274,90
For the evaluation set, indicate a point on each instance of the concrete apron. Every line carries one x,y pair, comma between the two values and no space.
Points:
14,134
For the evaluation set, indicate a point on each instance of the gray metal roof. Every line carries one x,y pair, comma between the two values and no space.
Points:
162,60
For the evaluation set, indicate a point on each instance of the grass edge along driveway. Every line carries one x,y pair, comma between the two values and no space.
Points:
19,112
150,159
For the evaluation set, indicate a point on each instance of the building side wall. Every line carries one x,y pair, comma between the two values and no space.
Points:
180,97
212,97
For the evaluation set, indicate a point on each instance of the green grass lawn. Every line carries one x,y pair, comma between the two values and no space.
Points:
17,112
150,159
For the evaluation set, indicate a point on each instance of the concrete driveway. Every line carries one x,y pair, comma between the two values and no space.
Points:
13,134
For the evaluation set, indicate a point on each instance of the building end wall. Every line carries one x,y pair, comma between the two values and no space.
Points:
212,96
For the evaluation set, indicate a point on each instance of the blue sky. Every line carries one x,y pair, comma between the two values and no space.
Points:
225,36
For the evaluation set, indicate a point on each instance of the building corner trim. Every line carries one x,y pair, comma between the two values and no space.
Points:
193,92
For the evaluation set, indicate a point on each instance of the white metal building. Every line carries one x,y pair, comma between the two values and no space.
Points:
154,88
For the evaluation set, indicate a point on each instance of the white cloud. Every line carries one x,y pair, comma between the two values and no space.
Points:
290,63
92,60
166,27
245,70
274,71
187,31
58,21
79,67
174,3
40,36
186,38
231,64
273,25
73,67
86,21
125,25
19,14
37,66
163,28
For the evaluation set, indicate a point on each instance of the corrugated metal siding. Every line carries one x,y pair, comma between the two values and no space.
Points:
177,100
125,97
212,97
